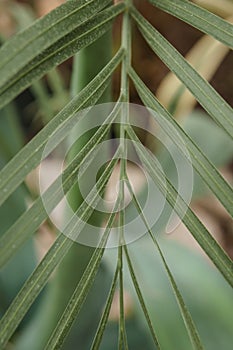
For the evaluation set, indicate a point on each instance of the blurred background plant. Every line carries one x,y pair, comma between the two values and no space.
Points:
206,294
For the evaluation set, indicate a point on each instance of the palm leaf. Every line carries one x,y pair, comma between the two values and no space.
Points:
34,52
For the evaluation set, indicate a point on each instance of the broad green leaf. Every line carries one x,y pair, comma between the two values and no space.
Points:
43,100
206,294
202,165
11,133
190,326
60,51
214,143
54,256
198,17
31,155
29,222
197,229
140,298
104,319
14,274
48,105
213,103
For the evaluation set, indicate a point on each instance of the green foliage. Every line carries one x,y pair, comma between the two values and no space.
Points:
31,54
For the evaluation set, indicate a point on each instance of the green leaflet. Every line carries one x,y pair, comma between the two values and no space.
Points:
27,57
29,221
104,319
40,276
82,289
43,33
198,17
31,155
190,326
213,103
198,230
200,162
57,53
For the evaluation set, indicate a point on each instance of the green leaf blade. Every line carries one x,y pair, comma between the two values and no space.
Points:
140,298
203,166
211,101
194,225
190,326
54,256
57,53
26,45
199,18
29,222
77,299
31,155
104,319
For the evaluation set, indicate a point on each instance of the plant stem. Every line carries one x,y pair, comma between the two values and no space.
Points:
126,44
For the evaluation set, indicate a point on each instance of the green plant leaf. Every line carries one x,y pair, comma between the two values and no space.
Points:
213,103
29,222
213,141
140,298
104,319
11,140
190,326
57,338
199,18
56,253
206,293
203,166
31,155
197,229
27,57
29,43
58,52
